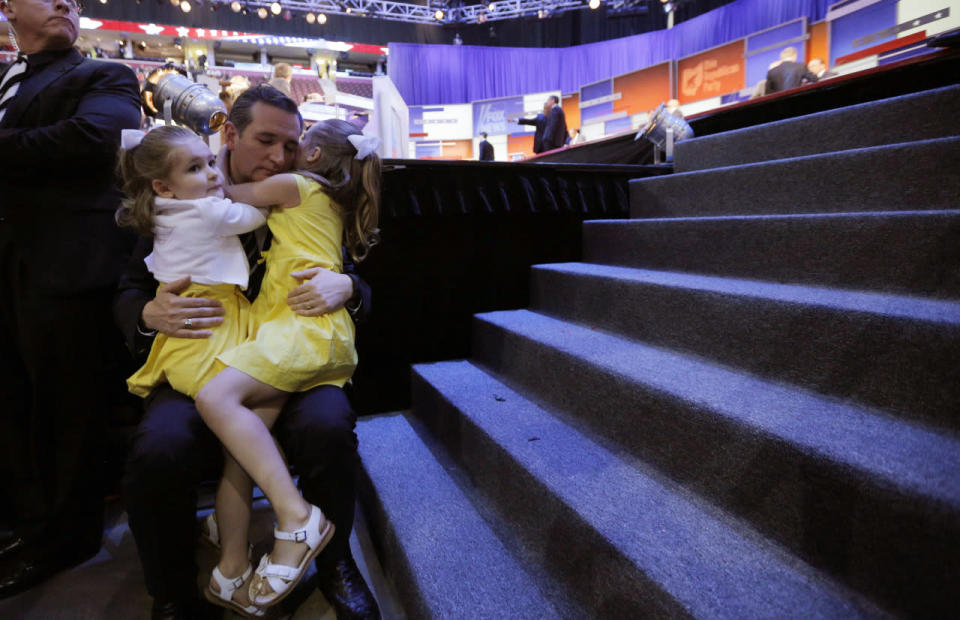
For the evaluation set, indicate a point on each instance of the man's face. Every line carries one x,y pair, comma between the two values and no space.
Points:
43,25
815,66
267,146
547,105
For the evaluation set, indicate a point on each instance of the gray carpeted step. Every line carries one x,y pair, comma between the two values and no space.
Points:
443,557
918,116
628,542
901,354
901,177
914,252
873,499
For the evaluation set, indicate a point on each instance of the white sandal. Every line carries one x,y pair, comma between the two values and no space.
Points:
315,534
224,598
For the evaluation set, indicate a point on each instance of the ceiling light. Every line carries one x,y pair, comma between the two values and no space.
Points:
262,13
275,8
348,10
438,14
185,6
594,4
322,18
482,17
541,13
175,2
235,6
492,7
311,18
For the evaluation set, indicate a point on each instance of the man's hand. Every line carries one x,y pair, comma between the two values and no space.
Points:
321,291
170,314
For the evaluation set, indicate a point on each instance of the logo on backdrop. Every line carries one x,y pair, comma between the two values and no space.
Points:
491,116
706,78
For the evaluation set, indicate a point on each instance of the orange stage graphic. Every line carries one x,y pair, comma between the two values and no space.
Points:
711,73
643,90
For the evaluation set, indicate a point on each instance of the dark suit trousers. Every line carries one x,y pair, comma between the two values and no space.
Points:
173,452
59,378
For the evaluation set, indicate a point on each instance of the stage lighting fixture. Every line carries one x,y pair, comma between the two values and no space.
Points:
311,18
438,15
663,129
275,8
348,10
262,13
541,14
175,2
185,6
492,7
235,6
103,1
322,18
594,4
191,104
481,18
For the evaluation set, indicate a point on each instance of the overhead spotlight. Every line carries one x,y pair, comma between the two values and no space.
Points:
668,7
348,10
175,2
481,18
492,7
185,6
438,15
594,4
311,18
541,14
322,18
235,6
103,1
275,8
262,13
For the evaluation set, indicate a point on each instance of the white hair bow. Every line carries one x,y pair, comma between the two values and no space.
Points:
364,144
130,138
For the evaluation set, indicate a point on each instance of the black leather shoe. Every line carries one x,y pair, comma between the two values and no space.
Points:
344,588
35,565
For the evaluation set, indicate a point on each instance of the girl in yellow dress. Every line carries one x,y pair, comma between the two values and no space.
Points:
333,202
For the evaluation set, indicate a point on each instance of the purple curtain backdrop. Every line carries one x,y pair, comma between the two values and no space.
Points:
439,74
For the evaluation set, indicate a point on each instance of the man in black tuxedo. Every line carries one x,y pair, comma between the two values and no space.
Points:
788,73
540,123
60,256
486,149
555,131
173,451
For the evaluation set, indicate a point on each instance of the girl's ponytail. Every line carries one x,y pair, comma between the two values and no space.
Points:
362,233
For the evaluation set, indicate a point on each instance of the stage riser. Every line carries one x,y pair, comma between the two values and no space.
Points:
895,353
904,253
622,542
824,478
444,558
925,115
904,177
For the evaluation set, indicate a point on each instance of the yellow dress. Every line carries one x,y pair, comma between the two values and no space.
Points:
290,352
188,363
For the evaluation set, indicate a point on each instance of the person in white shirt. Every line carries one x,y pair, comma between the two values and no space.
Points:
175,193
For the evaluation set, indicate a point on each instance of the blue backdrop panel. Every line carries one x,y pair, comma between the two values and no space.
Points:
491,116
595,111
772,42
439,74
617,125
845,31
597,89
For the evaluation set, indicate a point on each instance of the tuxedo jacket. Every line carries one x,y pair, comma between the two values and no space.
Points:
540,122
58,188
555,132
788,75
486,151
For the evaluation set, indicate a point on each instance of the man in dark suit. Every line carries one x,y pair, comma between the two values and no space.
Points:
788,73
540,123
486,149
173,451
60,256
555,131
819,68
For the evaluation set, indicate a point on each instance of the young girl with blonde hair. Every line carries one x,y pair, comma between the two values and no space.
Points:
175,193
331,203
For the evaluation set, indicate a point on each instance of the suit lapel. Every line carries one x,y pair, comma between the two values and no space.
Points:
36,83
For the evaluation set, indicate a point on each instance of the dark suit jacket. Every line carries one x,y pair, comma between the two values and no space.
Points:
486,151
787,75
539,122
58,149
555,133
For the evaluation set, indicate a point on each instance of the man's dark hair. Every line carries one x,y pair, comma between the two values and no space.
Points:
555,99
241,114
484,134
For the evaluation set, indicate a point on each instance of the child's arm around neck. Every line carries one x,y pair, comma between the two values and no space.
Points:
277,191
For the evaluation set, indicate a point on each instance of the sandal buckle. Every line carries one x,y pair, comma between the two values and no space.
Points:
300,536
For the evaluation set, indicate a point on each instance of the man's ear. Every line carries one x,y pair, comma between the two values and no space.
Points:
230,135
161,188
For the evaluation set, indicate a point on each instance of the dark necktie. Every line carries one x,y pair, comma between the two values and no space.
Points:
251,246
11,82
